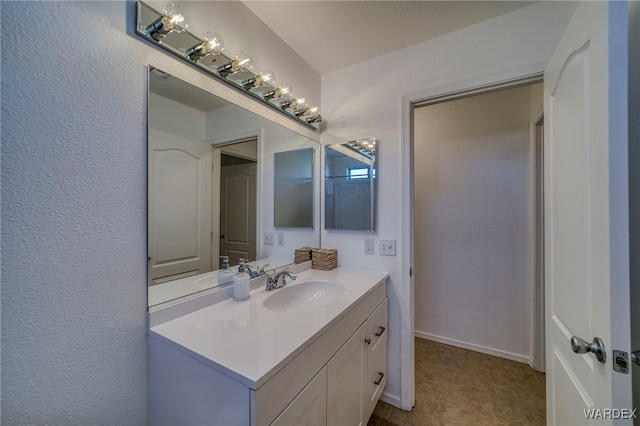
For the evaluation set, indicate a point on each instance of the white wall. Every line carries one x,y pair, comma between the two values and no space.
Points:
74,220
373,106
472,245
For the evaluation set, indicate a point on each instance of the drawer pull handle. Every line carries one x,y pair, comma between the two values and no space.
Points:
367,341
377,382
379,333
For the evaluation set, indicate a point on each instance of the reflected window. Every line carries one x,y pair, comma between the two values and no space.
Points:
358,173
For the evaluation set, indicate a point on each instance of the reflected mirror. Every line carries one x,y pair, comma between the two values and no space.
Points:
350,185
211,184
294,188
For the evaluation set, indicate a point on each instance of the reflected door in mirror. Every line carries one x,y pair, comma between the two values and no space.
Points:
238,212
179,207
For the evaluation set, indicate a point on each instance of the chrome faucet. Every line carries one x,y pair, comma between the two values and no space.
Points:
281,277
256,271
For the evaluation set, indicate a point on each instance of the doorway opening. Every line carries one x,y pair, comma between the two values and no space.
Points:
478,225
235,171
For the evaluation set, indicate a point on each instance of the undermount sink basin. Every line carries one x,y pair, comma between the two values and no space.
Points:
304,296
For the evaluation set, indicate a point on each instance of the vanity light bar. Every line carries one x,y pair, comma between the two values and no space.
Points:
207,54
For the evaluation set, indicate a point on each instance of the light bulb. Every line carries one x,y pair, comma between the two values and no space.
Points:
308,111
285,91
214,43
242,60
299,102
172,19
265,76
282,90
211,43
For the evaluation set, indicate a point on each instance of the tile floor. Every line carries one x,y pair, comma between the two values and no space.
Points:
460,387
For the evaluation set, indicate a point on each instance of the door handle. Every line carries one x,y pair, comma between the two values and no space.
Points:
380,331
635,357
580,346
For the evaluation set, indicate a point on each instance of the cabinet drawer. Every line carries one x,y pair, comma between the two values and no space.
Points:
377,374
377,328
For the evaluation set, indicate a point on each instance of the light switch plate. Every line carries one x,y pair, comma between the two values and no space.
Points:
387,247
281,238
269,238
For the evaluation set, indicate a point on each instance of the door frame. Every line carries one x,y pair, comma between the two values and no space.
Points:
536,235
218,145
530,74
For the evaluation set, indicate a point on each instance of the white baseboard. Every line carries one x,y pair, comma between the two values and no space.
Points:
473,347
391,400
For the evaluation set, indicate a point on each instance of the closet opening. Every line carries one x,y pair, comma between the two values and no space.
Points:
478,244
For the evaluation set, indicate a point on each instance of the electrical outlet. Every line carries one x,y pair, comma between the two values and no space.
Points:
368,245
269,238
281,238
387,247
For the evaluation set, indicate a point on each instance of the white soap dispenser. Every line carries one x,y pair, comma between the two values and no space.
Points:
225,276
241,283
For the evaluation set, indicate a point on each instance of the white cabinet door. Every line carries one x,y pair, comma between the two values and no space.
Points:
345,379
309,408
586,214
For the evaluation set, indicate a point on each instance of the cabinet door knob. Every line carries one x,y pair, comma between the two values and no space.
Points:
367,341
377,382
379,333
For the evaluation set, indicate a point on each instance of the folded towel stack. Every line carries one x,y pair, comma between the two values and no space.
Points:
325,259
303,254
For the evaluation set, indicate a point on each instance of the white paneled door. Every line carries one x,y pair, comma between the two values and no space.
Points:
238,195
586,216
179,206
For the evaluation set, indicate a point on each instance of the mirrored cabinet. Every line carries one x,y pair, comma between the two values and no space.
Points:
350,185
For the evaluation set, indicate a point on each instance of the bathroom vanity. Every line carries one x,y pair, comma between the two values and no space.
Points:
312,352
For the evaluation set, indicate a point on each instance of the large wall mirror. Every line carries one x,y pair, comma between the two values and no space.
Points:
212,180
350,185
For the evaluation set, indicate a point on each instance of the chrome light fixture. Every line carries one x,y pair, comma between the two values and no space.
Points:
172,19
294,103
207,54
211,43
315,118
265,76
241,61
282,91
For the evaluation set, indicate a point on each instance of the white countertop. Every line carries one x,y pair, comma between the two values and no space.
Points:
250,343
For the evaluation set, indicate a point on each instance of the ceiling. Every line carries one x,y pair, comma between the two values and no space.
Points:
180,91
334,34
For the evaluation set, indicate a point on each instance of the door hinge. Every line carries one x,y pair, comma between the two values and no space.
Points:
620,361
410,272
